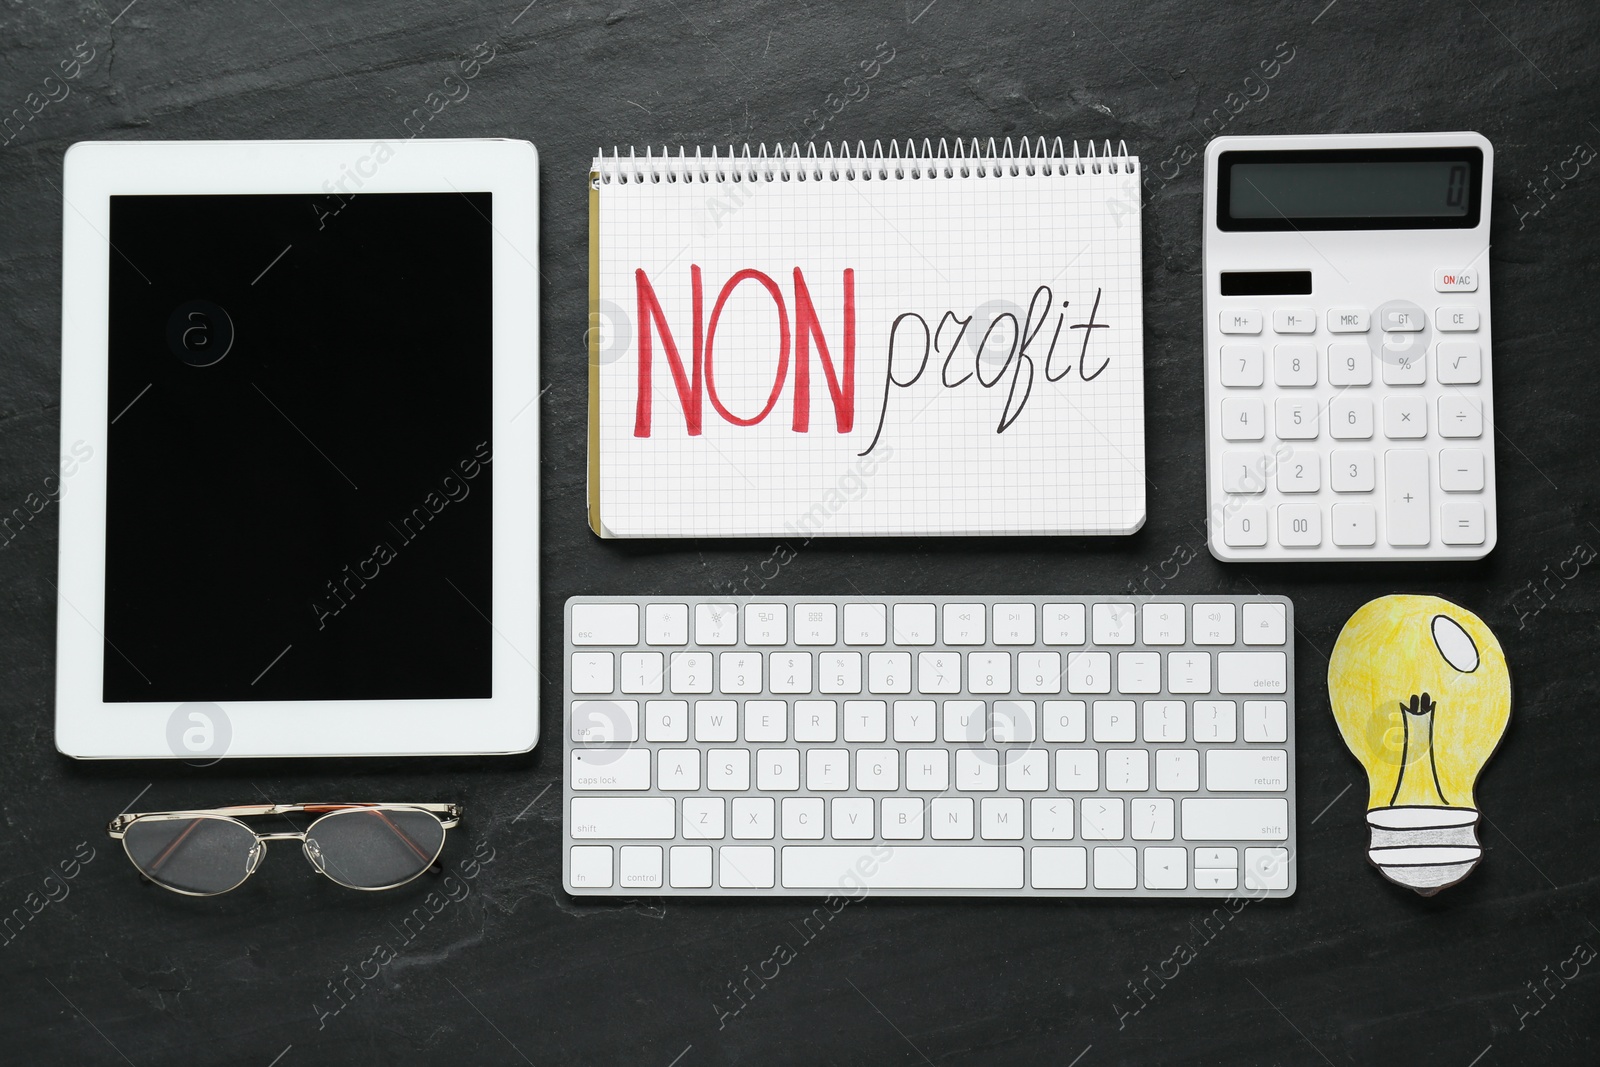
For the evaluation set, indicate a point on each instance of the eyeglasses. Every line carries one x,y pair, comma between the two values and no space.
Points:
360,846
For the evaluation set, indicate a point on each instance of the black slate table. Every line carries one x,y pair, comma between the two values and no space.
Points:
1499,970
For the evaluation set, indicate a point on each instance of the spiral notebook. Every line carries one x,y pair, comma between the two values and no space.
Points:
855,341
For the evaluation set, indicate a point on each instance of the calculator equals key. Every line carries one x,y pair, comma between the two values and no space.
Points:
1348,363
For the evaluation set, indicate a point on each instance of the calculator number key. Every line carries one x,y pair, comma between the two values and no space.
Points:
1300,471
1244,472
1243,419
1349,363
1297,419
1299,525
1350,418
1243,366
1353,471
1245,526
1294,365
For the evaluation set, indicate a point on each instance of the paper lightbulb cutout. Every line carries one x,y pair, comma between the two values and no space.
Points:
1422,695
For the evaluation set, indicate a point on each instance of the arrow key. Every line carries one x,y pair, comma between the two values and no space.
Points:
1166,868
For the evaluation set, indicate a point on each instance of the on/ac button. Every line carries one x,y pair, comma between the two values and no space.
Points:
1447,280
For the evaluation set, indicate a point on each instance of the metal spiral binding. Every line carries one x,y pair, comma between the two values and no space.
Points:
1030,157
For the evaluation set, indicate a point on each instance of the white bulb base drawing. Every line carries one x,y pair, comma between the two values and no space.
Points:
1423,848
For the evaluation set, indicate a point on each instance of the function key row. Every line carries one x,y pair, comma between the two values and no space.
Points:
916,624
1346,320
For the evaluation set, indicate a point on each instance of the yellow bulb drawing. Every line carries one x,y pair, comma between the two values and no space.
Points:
1422,696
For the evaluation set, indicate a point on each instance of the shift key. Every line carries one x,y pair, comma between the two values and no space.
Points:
1252,672
1235,819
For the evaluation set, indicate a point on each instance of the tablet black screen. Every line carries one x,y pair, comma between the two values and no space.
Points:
299,473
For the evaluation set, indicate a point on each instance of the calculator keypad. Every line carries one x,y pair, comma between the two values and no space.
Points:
1353,428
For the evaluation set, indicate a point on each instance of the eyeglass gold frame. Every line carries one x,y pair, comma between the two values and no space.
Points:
449,816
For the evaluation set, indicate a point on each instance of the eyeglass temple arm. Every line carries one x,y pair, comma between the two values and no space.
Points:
449,814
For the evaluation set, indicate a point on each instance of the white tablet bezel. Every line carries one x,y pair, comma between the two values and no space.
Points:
507,721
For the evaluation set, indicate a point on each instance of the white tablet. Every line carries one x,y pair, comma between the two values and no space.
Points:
300,484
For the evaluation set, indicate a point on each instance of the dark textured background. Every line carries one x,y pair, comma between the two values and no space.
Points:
1350,971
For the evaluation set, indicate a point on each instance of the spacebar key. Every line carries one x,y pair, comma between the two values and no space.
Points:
902,867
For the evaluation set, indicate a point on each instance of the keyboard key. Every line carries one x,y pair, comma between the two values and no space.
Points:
1243,419
1214,624
1405,417
1089,672
1264,624
641,672
766,720
1166,868
816,624
1245,525
704,818
1164,720
904,867
728,769
1150,819
1353,470
678,769
1163,624
838,672
1242,472
1294,320
928,769
611,768
914,720
689,867
1216,878
1461,470
989,672
977,770
716,720
1102,818
1177,770
1404,364
1064,720
766,624
1300,472
1243,366
1188,672
1127,770
1397,320
1060,868
1460,416
599,721
1355,525
1252,672
1455,319
1349,364
1238,321
1234,819
816,720
641,866
1266,868
889,672
747,867
913,624
1063,624
1215,721
952,818
591,867
1266,720
877,769
623,818
1214,857
1296,418
1407,518
964,624
754,818
592,672
1232,770
664,720
1116,867
1014,722
1460,362
1138,672
1013,624
605,624
1050,818
1299,525
1000,819
1294,366
1038,672
866,720
789,672
666,624
1114,720
1077,770
1114,624
965,720
1461,523
865,624
690,672
1027,771
827,770
716,624
902,819
740,672
1347,320
1350,418
778,769
852,819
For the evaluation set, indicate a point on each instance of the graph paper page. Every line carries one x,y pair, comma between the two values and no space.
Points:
997,383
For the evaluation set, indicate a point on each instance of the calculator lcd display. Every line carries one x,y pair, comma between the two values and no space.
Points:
1342,189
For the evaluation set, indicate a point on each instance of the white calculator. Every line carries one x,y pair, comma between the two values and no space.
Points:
1349,400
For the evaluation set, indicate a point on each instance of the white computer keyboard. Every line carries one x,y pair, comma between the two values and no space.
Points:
1349,378
933,746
